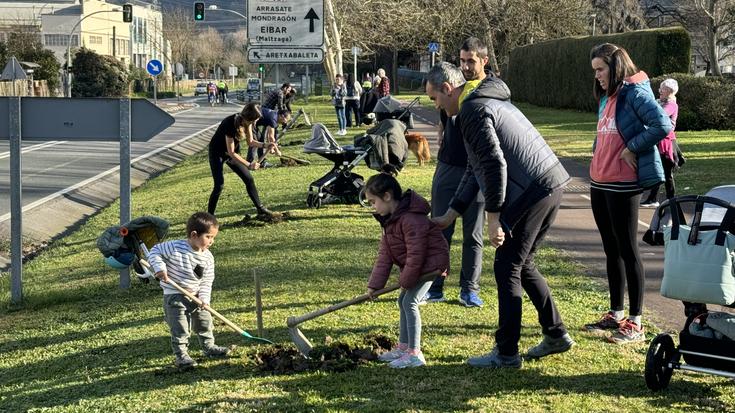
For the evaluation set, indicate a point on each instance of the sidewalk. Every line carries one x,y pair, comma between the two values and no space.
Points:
575,233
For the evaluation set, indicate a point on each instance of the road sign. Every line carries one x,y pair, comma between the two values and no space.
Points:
356,51
286,23
154,67
13,71
90,119
433,47
285,55
232,70
81,119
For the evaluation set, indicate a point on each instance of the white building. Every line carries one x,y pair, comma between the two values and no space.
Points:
92,24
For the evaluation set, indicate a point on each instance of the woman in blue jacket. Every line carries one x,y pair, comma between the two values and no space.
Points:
624,162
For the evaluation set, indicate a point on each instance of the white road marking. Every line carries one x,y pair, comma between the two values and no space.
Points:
101,175
34,148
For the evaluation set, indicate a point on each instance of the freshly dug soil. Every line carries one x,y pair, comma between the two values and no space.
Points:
335,356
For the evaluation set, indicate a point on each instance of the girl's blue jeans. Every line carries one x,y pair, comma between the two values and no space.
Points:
410,325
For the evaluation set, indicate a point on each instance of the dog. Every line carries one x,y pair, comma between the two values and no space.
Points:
418,144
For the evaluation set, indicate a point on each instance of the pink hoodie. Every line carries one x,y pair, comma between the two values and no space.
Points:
606,164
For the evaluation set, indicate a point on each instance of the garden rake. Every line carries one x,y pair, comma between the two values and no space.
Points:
304,346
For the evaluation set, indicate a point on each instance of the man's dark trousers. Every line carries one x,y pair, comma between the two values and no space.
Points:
515,271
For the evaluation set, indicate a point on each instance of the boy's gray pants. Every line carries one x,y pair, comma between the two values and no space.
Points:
180,313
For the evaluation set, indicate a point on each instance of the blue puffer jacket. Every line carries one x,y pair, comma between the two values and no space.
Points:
642,123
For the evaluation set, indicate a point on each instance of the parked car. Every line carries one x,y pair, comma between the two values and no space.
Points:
200,89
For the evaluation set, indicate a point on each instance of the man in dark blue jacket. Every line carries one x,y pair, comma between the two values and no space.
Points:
522,181
450,167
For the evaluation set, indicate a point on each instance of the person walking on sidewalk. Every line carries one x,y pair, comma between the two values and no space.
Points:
667,146
450,168
522,181
630,123
224,148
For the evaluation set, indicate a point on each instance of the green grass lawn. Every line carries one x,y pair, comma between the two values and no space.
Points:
81,344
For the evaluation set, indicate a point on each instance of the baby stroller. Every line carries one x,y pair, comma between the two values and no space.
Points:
390,108
699,269
386,146
124,246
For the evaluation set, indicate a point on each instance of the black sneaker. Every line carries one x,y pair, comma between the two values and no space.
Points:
184,362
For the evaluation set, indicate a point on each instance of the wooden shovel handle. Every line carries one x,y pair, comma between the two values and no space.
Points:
294,321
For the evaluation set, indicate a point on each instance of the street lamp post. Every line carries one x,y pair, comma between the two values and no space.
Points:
68,47
214,7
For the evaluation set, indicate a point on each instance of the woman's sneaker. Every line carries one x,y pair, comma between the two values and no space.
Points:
606,323
408,360
629,332
394,354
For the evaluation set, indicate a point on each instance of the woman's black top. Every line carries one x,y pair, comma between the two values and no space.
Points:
218,144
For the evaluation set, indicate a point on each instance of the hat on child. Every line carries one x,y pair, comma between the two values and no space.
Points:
672,84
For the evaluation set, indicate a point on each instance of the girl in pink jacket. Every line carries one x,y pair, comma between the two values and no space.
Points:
416,245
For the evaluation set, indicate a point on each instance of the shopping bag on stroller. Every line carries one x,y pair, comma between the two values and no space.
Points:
699,264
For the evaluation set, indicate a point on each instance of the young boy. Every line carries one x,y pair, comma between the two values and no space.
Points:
190,264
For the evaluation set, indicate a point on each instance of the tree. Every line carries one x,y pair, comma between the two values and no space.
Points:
619,16
718,17
179,29
98,76
713,20
208,49
28,48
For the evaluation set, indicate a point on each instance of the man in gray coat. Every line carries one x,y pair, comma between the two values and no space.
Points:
450,168
522,181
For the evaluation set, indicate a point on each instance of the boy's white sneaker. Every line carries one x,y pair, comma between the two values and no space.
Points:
408,360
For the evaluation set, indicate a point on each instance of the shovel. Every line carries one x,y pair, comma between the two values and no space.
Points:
304,346
211,310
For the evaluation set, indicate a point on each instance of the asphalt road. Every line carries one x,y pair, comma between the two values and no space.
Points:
50,168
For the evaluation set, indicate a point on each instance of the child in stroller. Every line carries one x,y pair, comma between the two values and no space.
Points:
699,269
385,144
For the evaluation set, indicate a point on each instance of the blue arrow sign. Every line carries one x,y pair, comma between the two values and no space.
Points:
433,47
154,67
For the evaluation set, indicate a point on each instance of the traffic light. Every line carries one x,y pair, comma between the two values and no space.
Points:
261,68
127,13
199,11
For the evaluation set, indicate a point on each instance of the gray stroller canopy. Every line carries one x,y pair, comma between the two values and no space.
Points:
387,104
321,141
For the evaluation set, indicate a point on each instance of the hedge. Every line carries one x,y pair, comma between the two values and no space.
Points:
557,73
704,102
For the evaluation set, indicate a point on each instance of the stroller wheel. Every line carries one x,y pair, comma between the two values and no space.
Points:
660,353
309,200
317,202
362,198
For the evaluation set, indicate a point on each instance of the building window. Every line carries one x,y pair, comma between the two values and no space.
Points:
95,39
60,40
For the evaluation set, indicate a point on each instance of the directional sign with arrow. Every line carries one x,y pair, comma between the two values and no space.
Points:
286,23
154,67
311,16
95,119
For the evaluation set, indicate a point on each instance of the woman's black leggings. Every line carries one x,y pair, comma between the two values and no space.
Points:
616,215
216,164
